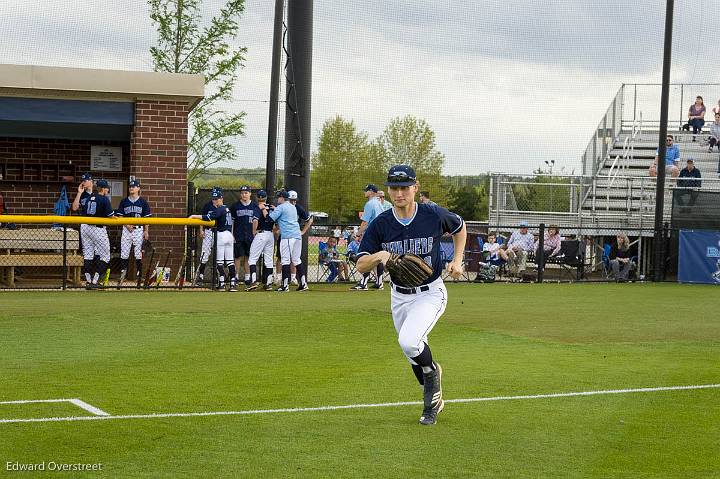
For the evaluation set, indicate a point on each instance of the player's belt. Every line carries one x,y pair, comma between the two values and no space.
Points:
402,290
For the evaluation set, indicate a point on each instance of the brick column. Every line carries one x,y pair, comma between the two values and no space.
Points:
158,158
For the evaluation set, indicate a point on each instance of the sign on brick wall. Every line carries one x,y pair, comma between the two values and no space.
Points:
105,158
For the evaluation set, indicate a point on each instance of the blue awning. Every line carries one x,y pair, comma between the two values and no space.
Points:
86,112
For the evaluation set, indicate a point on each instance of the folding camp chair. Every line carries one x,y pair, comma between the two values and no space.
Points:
447,252
323,268
569,260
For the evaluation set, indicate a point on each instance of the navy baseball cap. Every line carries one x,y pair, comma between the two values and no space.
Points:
282,193
134,184
262,194
370,187
216,193
102,183
245,188
87,176
401,175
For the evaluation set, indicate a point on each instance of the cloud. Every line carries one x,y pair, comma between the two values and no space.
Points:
505,85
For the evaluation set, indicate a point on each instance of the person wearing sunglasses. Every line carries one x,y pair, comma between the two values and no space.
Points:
411,227
672,158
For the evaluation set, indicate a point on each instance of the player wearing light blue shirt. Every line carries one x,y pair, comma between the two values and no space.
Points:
373,209
285,216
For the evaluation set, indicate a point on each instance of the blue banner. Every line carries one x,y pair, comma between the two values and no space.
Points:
699,257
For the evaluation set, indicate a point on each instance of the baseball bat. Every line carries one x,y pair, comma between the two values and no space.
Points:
146,283
122,278
180,270
106,278
197,270
161,276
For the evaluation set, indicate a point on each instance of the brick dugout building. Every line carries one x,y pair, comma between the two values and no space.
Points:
57,123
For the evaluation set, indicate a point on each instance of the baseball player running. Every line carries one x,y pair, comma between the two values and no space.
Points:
243,212
223,227
95,240
262,244
286,218
415,228
134,206
206,234
373,209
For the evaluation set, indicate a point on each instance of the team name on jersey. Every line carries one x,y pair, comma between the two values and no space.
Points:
132,210
418,246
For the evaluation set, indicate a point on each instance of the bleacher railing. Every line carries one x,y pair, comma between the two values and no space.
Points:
576,201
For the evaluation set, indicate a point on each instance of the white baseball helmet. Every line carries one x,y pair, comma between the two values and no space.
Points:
292,194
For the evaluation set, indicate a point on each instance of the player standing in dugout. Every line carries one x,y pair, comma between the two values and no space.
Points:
413,228
95,241
133,236
243,212
220,214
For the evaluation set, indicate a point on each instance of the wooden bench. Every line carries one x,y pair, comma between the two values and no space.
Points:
38,247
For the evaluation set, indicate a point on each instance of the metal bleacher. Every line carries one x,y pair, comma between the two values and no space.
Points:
615,190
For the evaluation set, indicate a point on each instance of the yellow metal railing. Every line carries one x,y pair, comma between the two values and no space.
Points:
89,220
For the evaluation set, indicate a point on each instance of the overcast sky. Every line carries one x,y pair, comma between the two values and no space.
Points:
505,85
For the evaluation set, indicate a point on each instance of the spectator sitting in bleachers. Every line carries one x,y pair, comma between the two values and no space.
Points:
714,139
330,257
688,172
716,108
551,243
620,258
672,157
521,244
696,117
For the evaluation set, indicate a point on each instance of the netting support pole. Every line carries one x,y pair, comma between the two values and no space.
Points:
541,253
662,149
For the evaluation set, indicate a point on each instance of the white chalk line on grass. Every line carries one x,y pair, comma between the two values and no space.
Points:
88,407
356,406
77,402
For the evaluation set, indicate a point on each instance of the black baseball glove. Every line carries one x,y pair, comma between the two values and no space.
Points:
408,269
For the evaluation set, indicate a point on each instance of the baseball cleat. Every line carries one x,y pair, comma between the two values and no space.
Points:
359,287
304,287
283,289
378,286
294,281
252,286
90,286
432,396
233,287
269,287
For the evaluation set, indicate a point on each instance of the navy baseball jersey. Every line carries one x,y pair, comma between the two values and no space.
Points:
222,217
83,201
134,209
302,214
207,208
419,235
98,206
265,223
243,220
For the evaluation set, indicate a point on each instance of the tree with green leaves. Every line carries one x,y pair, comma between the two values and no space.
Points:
470,202
187,42
342,165
411,141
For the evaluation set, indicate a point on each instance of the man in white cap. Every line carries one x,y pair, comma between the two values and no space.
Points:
383,202
520,244
304,219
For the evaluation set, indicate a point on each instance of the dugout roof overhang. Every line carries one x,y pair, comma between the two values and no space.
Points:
81,103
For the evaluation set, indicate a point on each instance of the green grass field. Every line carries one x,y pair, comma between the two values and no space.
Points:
130,353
